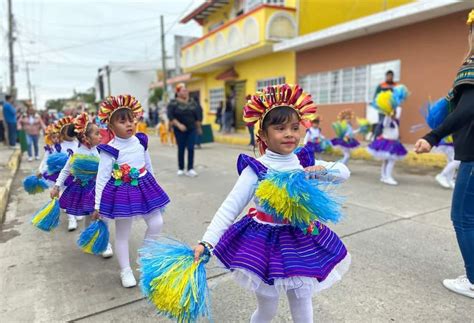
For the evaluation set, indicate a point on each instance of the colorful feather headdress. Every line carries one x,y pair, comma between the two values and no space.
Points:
63,122
345,114
275,96
50,130
114,103
80,123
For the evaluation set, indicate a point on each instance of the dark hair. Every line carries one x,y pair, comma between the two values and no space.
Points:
82,136
8,97
69,130
278,115
389,72
122,114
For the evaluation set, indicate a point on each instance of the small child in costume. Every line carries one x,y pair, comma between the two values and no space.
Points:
314,138
280,246
78,197
69,141
387,147
345,134
53,145
125,187
162,131
142,126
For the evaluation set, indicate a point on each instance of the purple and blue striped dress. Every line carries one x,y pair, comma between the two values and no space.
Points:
273,258
127,199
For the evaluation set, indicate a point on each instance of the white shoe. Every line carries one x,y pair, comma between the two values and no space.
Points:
180,172
72,223
30,159
108,252
460,285
390,181
442,180
79,217
452,184
37,158
128,280
191,173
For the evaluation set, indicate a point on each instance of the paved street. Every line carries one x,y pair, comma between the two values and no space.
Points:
401,240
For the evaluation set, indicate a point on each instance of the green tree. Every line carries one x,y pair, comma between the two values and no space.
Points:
156,95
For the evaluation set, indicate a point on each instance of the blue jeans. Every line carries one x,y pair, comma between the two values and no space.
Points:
185,140
462,215
12,134
32,140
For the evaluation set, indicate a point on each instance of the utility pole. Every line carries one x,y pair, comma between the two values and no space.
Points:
28,81
163,60
107,70
11,40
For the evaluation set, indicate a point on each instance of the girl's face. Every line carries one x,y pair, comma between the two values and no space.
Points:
282,138
123,127
54,138
93,137
315,125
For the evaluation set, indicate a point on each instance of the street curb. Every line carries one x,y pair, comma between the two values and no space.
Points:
13,164
431,160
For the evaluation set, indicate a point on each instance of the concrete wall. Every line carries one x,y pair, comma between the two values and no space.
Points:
430,53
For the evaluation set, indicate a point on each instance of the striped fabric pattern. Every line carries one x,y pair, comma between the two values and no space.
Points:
126,200
77,199
274,252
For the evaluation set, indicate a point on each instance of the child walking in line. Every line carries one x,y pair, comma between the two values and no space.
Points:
126,187
163,131
78,197
52,145
315,139
345,137
281,246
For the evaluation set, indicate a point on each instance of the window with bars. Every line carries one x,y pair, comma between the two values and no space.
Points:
348,85
216,99
261,84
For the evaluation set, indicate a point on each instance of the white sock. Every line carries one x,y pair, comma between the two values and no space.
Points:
71,217
389,168
301,308
267,307
154,224
347,155
123,227
383,171
450,169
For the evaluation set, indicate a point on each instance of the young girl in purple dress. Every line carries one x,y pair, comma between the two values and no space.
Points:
268,251
126,187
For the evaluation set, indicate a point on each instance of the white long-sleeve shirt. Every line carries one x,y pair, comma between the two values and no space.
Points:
312,134
131,152
69,145
244,190
82,150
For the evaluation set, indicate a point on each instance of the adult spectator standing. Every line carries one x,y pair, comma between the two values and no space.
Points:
9,115
32,124
185,118
460,123
2,124
229,110
388,85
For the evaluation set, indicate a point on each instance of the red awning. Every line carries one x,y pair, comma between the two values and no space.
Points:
228,75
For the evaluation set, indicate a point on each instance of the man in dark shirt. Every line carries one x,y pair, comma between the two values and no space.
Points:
9,114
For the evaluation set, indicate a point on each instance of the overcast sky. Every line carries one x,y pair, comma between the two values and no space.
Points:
66,41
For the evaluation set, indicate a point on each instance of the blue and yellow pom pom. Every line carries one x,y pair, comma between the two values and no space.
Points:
47,218
436,112
95,238
56,162
291,196
34,184
364,126
387,101
84,167
340,128
173,282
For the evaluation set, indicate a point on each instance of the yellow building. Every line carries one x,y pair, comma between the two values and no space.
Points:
236,49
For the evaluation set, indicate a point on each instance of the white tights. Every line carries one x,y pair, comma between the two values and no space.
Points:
301,308
123,227
449,171
387,168
347,155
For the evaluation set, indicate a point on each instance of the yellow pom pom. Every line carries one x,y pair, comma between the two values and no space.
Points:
470,18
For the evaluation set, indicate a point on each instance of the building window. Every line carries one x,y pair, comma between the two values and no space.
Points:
216,98
251,4
348,85
261,84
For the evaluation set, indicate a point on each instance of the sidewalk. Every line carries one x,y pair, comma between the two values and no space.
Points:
411,160
9,163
